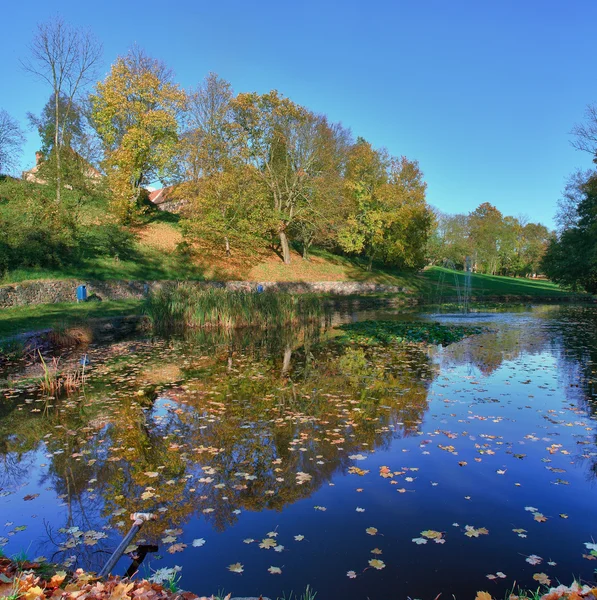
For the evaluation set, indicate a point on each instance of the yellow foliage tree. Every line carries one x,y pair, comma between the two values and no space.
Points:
135,112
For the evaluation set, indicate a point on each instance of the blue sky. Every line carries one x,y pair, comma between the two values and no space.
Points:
482,93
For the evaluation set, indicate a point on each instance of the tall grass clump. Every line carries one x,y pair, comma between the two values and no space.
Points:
187,306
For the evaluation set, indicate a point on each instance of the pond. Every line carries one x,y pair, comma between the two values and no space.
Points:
285,459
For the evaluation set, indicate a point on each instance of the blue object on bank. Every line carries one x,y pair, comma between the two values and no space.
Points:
84,361
81,293
260,288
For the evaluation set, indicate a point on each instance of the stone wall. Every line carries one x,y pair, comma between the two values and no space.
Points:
51,291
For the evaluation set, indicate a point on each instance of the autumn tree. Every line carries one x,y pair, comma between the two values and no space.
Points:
365,176
66,59
485,230
323,208
135,112
225,199
535,240
389,219
11,140
282,142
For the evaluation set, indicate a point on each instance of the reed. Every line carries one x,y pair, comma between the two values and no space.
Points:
55,381
186,306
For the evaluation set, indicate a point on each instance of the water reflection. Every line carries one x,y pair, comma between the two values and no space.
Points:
209,428
212,425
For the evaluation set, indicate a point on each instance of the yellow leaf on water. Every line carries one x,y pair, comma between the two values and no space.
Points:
236,568
432,535
377,564
483,596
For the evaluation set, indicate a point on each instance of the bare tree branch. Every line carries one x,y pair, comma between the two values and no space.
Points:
67,60
586,133
11,140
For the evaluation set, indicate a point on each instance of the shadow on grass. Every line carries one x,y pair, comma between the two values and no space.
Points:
14,321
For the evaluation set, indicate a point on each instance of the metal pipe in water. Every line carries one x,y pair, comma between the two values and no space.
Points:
138,520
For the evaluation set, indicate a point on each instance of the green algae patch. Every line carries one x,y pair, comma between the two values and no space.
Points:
386,332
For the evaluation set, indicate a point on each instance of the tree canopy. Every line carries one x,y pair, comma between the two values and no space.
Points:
571,258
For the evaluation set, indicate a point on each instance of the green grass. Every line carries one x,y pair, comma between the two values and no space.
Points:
148,264
44,316
488,285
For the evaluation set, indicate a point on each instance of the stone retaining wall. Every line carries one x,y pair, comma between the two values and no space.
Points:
51,291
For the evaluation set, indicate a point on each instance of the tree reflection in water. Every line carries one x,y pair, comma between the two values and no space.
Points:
209,425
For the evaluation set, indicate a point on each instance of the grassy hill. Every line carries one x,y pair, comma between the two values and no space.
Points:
157,253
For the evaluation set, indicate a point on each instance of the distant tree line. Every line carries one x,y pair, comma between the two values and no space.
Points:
491,242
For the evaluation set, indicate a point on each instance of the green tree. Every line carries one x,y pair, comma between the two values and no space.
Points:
227,209
366,173
485,230
283,143
226,203
77,150
135,112
571,257
449,241
389,219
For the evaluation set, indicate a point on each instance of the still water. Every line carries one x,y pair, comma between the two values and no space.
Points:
361,471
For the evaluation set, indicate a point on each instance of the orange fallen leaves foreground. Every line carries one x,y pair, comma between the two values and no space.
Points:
574,592
25,584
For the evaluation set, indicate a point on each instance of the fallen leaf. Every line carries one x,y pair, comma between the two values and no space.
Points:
236,568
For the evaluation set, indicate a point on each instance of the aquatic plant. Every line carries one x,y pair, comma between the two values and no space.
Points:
55,381
386,332
183,305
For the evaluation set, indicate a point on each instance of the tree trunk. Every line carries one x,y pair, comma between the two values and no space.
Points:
285,247
287,358
57,146
227,241
370,264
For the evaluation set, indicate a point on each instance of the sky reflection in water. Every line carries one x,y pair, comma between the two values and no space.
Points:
212,434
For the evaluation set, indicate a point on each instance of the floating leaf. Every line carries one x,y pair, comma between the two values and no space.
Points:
542,578
377,564
236,568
